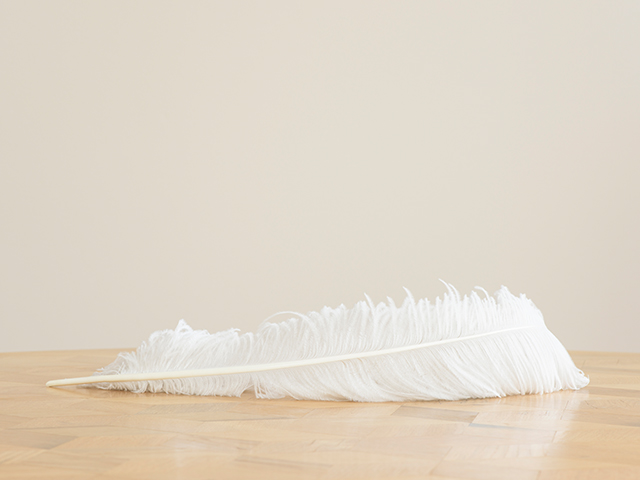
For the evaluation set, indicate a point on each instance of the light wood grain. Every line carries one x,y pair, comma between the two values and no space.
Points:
88,433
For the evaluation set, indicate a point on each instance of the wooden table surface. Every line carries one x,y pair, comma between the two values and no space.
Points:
86,433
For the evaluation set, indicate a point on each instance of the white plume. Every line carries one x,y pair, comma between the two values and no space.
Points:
484,347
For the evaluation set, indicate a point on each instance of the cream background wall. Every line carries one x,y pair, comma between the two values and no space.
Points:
222,161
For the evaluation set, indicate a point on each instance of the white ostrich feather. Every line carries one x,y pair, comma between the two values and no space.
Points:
455,348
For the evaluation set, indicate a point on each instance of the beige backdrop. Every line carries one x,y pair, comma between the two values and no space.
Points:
222,161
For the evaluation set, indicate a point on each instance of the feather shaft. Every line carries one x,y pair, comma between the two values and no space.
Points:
207,372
